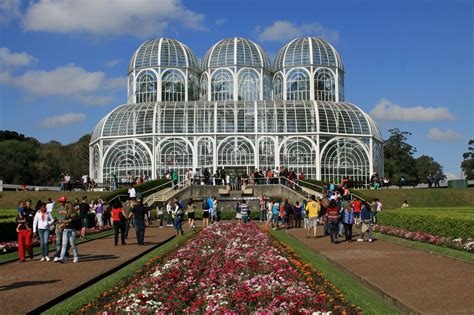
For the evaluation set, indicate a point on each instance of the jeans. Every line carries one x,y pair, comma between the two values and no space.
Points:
245,218
44,240
59,243
160,218
333,226
298,221
263,215
69,236
119,225
348,231
140,231
178,224
170,220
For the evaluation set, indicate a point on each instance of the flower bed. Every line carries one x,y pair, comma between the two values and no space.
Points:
466,244
8,247
227,268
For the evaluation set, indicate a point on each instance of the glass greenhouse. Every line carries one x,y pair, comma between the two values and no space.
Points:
238,112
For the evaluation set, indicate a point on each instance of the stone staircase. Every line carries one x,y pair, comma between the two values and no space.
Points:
312,192
161,196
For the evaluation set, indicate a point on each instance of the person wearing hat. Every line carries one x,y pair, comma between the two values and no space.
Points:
140,214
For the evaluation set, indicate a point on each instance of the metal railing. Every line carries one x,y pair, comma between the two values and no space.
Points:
144,193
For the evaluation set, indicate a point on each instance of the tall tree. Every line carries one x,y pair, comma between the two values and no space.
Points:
467,165
427,166
17,160
398,156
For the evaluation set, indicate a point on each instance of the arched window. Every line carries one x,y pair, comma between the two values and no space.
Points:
173,154
298,154
222,88
193,87
203,87
146,87
235,151
205,156
345,157
278,88
249,85
297,85
267,87
324,85
126,159
172,86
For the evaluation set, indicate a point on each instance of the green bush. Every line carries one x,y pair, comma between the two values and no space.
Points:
223,215
139,188
428,223
8,230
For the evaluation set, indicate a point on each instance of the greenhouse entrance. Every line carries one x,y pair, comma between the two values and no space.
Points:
243,171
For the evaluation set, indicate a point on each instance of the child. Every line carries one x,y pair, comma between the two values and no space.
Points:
21,205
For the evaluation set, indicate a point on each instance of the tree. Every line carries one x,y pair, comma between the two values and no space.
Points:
427,166
16,161
398,156
467,165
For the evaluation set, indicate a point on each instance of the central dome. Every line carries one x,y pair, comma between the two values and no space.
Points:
235,51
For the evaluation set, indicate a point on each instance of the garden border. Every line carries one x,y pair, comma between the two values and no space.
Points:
87,284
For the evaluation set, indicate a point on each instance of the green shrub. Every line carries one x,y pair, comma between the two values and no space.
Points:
428,223
8,230
139,188
223,215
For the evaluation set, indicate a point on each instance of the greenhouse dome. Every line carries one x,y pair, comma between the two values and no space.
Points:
308,68
236,69
163,69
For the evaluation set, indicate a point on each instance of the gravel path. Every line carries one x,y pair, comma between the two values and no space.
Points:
420,281
26,286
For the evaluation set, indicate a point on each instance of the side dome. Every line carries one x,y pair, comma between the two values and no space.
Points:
163,52
235,51
308,51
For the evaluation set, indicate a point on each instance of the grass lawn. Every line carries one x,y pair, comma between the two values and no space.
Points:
355,291
449,252
52,248
74,303
427,197
446,212
9,199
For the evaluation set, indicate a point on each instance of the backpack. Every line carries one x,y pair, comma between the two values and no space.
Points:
180,205
205,205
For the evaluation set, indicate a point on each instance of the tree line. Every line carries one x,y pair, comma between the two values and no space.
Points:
26,160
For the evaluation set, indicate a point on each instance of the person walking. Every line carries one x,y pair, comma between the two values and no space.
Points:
244,211
159,214
333,220
297,211
141,220
263,210
59,230
41,224
99,211
312,210
178,219
348,221
119,220
190,213
24,230
169,210
69,234
269,215
84,209
205,213
366,218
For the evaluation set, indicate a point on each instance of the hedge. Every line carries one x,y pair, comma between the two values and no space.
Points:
8,230
223,215
139,188
432,224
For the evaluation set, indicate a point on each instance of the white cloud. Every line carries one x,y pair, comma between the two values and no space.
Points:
436,134
281,31
91,88
140,18
221,21
386,110
9,10
63,120
10,60
112,63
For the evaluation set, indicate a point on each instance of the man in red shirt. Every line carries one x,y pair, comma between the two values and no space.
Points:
356,203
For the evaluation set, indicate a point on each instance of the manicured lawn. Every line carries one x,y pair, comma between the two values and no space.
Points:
439,197
74,303
52,248
453,253
10,199
447,212
355,291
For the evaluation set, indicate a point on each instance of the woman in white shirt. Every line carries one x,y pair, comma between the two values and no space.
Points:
41,224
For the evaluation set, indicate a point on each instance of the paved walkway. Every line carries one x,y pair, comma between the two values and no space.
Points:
26,286
426,283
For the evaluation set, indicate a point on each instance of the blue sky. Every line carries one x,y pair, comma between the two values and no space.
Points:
63,63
